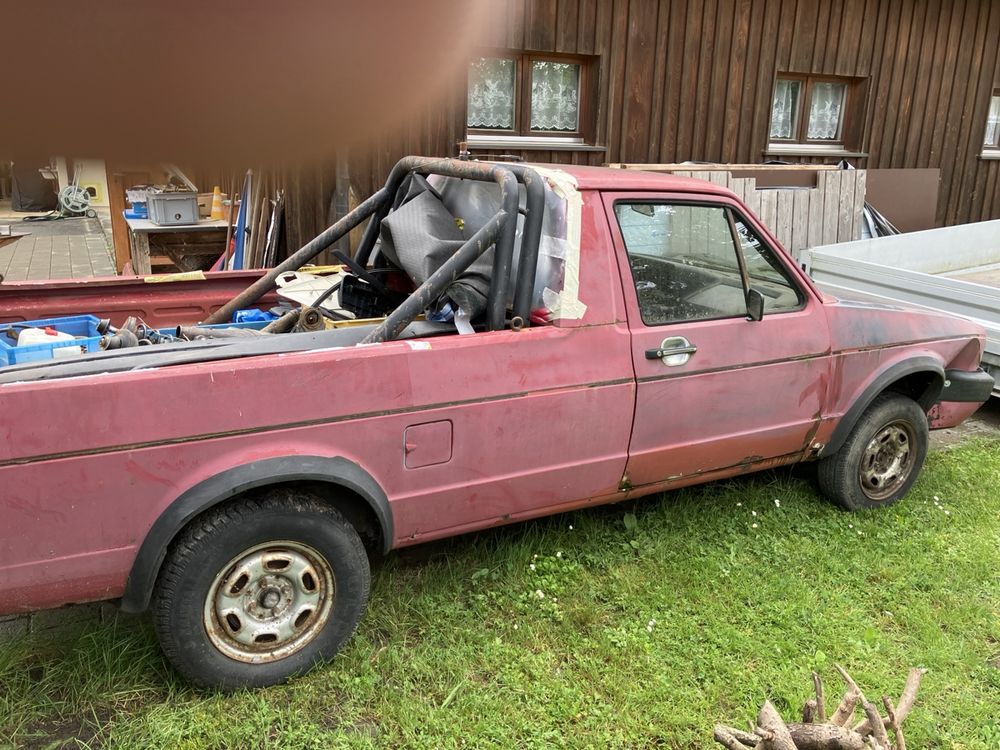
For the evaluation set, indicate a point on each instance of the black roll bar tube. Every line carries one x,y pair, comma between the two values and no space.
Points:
295,261
524,287
377,207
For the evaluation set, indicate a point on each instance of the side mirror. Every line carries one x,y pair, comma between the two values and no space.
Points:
755,305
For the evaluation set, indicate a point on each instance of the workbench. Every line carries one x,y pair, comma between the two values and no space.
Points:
202,242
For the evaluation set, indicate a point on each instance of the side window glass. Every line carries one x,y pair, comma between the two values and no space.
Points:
683,260
766,273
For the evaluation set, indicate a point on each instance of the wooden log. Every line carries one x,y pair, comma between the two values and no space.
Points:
809,712
825,737
769,720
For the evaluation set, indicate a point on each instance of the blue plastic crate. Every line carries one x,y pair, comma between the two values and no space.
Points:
83,326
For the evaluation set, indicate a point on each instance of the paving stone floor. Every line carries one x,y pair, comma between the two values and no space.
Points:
63,249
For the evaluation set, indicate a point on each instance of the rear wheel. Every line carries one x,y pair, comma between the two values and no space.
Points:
881,458
260,590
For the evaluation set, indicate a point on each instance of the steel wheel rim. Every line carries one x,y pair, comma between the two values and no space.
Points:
269,602
887,460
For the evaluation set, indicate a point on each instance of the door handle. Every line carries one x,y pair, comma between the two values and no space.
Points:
673,352
661,353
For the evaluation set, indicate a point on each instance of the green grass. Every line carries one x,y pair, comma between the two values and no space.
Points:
659,619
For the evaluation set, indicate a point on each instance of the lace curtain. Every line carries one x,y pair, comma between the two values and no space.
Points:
825,110
784,108
993,123
491,93
555,96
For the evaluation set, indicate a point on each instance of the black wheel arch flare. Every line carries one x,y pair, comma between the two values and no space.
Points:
336,471
893,374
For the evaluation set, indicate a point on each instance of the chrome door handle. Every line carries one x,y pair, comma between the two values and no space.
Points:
673,352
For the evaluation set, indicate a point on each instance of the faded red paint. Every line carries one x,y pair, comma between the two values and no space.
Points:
160,304
542,420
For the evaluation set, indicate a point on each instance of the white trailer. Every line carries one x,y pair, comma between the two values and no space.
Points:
955,269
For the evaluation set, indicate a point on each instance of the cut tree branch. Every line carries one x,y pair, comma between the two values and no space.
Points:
849,702
895,721
773,733
878,726
726,736
820,703
906,701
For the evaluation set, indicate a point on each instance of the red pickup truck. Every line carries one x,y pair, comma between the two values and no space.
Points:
510,341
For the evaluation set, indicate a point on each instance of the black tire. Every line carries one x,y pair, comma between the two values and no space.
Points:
870,473
210,570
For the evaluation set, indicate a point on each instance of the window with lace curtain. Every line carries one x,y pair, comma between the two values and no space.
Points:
815,111
991,142
529,95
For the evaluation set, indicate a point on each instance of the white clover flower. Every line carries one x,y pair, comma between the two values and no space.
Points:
777,503
515,626
559,554
753,526
859,532
937,499
539,593
850,525
753,513
649,628
571,527
947,512
739,505
532,566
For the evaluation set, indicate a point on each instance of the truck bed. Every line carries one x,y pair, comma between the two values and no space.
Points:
986,275
953,269
181,299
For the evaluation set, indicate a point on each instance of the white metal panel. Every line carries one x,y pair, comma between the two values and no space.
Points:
903,268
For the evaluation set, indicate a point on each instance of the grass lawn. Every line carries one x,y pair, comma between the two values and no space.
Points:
640,625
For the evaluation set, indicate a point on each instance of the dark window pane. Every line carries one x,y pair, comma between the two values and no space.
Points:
683,261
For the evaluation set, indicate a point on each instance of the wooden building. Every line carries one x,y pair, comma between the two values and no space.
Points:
909,84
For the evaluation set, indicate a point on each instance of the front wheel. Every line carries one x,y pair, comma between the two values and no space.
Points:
259,590
881,458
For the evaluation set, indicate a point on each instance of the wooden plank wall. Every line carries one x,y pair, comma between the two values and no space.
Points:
692,80
802,218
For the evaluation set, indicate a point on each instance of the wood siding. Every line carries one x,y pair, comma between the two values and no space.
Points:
692,80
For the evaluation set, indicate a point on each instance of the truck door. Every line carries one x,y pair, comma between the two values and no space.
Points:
716,390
